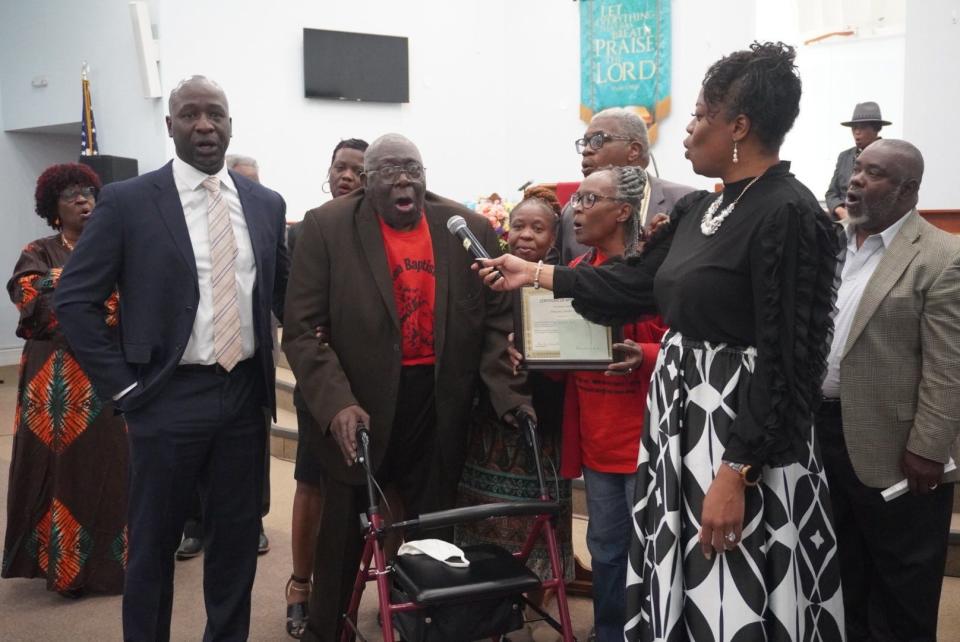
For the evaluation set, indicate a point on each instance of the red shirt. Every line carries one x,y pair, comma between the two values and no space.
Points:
410,259
603,416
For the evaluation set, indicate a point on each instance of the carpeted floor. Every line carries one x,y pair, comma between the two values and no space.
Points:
29,612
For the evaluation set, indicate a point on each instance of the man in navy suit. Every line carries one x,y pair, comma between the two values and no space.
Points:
197,253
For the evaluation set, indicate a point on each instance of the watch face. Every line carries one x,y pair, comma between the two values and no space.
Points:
751,474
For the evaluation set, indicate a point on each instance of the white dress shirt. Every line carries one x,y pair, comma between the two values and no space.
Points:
858,267
194,198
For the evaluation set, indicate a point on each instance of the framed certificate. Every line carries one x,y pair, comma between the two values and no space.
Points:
553,336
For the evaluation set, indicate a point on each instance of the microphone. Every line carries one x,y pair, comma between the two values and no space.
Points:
458,227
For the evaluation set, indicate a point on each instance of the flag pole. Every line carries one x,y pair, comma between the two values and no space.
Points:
88,131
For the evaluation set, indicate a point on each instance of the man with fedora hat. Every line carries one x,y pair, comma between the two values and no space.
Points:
865,124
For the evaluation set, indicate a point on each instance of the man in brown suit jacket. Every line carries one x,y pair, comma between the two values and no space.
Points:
891,406
412,331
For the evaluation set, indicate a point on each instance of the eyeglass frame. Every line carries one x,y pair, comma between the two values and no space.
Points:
582,143
400,169
89,192
578,196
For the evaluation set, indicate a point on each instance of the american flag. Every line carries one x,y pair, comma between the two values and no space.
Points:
88,129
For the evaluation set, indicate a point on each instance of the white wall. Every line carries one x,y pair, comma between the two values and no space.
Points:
837,73
494,86
52,38
494,90
22,158
931,94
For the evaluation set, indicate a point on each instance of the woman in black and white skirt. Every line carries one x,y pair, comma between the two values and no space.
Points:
733,535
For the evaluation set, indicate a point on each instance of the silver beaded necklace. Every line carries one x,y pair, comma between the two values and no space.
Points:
711,222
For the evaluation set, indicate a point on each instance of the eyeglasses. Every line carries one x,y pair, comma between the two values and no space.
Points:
596,141
391,173
71,193
589,199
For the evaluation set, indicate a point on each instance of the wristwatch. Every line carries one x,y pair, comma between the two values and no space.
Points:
749,474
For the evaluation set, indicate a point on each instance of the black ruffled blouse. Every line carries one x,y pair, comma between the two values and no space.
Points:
766,279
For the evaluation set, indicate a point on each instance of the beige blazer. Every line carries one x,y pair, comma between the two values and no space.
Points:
900,370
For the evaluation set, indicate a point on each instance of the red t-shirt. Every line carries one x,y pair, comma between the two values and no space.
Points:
410,259
603,416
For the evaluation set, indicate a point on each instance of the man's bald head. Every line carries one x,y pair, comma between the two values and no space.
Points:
194,81
389,145
907,159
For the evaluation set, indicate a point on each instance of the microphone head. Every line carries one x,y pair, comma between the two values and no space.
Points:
455,224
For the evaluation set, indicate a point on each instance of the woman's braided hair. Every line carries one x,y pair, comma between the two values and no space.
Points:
544,197
630,182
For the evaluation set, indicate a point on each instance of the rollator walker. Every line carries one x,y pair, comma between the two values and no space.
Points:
428,601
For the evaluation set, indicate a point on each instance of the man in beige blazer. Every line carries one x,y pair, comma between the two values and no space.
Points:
891,407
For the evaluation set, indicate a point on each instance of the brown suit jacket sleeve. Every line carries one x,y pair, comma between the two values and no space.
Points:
315,365
507,391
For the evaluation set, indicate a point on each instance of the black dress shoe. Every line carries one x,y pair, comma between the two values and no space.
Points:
264,545
189,547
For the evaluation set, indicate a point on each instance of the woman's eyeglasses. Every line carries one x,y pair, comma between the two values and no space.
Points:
71,193
589,199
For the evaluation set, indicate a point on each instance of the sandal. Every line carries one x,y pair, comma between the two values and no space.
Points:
297,612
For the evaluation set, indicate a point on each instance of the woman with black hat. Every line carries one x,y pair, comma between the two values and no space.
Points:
865,125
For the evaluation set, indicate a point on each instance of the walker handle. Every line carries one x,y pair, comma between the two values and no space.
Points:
363,458
529,426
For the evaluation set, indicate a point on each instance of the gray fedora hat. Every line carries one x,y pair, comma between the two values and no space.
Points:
868,112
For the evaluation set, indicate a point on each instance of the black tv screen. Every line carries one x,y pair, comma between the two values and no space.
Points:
355,66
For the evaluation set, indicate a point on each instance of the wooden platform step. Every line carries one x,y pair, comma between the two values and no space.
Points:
283,435
953,543
285,385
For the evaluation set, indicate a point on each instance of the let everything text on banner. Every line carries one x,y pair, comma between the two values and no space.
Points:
625,58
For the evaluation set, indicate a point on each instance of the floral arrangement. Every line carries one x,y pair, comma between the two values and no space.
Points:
495,210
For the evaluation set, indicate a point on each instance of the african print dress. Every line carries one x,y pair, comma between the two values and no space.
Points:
500,468
66,507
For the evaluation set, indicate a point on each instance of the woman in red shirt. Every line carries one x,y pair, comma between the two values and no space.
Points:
603,411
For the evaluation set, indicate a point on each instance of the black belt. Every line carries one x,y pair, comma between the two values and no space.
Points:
829,406
213,368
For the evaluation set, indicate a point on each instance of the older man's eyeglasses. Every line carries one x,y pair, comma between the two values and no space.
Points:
412,169
589,199
71,193
596,141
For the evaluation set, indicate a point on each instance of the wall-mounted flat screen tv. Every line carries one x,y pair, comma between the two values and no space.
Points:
340,65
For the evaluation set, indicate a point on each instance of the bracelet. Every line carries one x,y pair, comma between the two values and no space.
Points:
536,275
750,475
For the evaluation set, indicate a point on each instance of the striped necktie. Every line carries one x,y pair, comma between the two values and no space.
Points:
223,255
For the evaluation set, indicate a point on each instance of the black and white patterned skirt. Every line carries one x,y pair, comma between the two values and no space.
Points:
782,582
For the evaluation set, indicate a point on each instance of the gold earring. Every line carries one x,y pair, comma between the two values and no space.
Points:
736,158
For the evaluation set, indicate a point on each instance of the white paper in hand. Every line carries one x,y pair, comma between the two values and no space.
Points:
903,486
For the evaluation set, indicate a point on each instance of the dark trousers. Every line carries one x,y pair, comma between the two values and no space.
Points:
406,467
205,430
892,554
193,526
